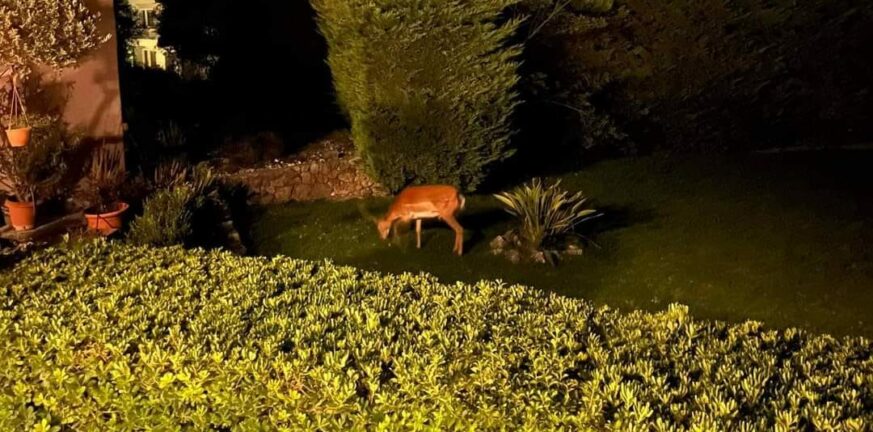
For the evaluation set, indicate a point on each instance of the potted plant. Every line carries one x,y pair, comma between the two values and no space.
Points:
53,34
102,185
32,171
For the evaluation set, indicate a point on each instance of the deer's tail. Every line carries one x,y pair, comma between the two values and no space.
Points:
463,201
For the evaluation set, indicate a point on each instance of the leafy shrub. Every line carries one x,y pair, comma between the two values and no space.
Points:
106,336
544,212
190,206
166,218
54,33
168,213
35,171
428,86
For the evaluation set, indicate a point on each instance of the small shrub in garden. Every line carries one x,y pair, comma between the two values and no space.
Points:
179,193
54,33
166,218
546,213
428,86
188,205
35,171
108,336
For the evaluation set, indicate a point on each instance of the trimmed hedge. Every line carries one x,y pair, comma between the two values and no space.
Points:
102,336
427,85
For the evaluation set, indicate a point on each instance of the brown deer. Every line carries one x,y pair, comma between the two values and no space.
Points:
425,202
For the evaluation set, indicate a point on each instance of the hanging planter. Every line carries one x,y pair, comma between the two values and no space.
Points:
18,137
33,171
18,130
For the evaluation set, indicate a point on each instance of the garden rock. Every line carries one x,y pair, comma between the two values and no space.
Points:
510,246
328,169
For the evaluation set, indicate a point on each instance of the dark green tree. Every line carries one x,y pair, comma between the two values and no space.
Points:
429,86
701,75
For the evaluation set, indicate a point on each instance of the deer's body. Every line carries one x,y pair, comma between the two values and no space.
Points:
426,202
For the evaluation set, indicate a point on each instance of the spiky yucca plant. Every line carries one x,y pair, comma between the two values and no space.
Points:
545,211
105,176
169,174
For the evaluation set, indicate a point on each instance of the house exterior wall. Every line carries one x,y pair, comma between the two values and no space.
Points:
89,96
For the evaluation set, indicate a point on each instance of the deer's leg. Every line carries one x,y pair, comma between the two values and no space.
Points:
459,233
418,233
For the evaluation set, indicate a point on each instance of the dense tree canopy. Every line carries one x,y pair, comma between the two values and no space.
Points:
700,75
429,86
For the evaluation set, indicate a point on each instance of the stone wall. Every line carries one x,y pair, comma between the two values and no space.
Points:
327,170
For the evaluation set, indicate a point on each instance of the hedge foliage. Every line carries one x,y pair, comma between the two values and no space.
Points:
105,336
706,74
428,85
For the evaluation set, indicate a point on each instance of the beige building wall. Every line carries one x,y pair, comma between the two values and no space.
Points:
89,96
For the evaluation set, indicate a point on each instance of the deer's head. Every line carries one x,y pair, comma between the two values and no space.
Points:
384,227
383,224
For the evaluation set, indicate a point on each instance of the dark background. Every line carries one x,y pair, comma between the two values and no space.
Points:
599,79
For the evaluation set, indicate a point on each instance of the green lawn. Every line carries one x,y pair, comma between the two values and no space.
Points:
783,239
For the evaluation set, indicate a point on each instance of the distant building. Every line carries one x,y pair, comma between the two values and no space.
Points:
146,52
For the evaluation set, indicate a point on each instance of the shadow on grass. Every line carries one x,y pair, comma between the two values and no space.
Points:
482,222
618,217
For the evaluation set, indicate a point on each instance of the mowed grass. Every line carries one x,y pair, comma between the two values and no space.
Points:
785,239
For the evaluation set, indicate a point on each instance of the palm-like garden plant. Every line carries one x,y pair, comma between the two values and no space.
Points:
545,212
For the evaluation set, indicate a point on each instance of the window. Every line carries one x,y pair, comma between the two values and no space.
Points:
148,18
149,58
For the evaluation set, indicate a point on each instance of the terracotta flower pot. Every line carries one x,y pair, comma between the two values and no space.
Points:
107,223
22,215
18,137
